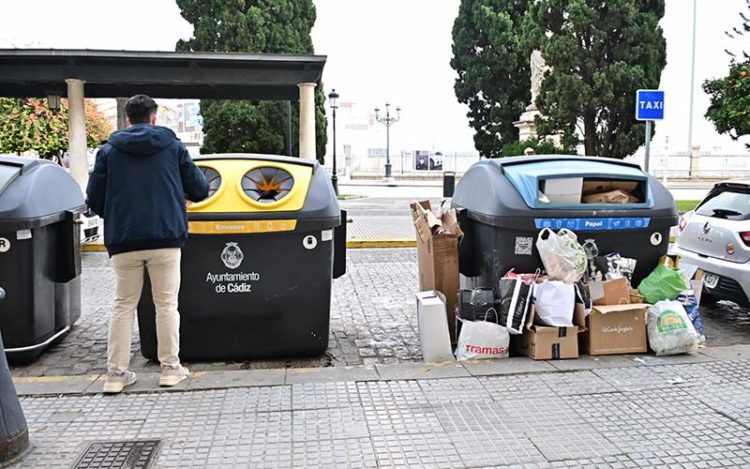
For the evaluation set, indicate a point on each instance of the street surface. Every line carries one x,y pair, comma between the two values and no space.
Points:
613,412
370,402
373,321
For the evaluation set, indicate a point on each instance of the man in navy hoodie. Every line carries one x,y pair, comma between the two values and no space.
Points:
142,178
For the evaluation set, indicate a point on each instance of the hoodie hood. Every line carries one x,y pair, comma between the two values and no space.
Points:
142,139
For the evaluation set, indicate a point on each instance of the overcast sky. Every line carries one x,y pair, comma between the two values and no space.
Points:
397,50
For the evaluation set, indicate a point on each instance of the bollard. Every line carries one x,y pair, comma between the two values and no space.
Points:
14,433
449,183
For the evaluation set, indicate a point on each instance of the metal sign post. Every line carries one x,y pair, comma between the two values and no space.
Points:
648,144
649,106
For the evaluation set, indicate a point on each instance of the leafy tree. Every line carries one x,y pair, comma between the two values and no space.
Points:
258,26
599,54
540,147
730,96
30,125
493,69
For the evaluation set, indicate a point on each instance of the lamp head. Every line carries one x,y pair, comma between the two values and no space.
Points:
334,98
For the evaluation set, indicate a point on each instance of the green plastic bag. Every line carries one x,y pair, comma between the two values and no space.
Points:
664,283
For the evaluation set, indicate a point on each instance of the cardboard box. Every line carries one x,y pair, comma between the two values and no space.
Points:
611,197
596,186
563,190
673,261
635,296
437,255
432,320
549,343
616,329
610,292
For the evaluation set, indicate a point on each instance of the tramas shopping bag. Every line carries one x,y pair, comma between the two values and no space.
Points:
482,339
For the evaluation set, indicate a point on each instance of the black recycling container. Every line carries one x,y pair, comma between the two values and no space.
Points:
257,268
503,204
449,183
40,255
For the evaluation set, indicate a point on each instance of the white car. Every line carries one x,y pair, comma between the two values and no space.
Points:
716,238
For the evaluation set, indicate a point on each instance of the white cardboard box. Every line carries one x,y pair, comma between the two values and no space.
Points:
432,320
563,190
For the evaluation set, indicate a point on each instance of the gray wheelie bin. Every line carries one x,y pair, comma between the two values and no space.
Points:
40,254
504,203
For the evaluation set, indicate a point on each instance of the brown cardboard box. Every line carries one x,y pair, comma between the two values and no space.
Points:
595,186
437,256
670,261
611,197
616,329
610,292
635,296
549,343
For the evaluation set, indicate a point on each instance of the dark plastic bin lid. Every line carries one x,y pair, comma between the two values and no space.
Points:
493,191
35,193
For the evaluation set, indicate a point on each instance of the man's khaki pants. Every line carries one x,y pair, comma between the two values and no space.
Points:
164,270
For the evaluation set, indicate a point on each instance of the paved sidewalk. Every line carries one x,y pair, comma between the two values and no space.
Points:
686,411
373,321
380,218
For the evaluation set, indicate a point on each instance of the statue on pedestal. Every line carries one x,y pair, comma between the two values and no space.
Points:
538,67
525,124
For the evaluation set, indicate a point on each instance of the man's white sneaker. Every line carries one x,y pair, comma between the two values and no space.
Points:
171,376
116,382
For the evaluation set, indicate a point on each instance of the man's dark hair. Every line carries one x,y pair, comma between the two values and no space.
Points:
140,108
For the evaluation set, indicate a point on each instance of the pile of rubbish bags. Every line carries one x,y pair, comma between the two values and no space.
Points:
577,280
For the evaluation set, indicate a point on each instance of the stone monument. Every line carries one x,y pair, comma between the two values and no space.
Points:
525,124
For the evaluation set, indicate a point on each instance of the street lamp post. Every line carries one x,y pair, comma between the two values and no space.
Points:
334,98
388,121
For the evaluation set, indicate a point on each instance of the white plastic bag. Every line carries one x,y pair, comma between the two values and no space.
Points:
670,331
554,302
482,339
563,257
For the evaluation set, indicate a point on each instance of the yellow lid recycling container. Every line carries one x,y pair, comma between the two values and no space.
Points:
257,268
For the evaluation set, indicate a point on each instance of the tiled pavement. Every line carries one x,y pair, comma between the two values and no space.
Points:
373,321
664,414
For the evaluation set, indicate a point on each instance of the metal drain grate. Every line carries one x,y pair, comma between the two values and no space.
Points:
129,454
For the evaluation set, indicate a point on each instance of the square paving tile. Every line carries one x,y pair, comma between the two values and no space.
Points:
258,399
482,435
329,424
353,453
576,383
392,393
689,375
694,457
632,379
324,395
444,391
572,442
407,451
388,420
733,400
736,372
502,388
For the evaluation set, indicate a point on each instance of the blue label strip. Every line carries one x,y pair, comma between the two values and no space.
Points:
593,224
